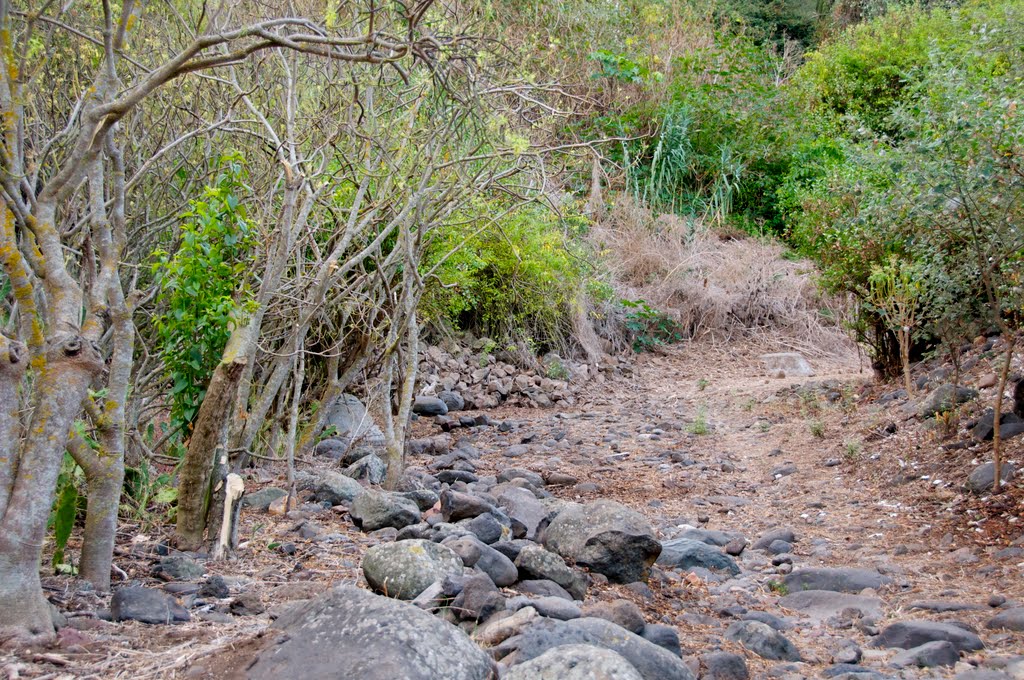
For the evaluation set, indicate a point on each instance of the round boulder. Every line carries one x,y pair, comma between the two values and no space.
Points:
575,662
355,634
405,569
607,538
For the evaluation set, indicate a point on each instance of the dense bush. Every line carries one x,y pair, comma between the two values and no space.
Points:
722,134
514,277
921,163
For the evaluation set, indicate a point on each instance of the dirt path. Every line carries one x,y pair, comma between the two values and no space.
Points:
700,437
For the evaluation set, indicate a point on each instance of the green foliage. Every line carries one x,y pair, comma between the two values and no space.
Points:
511,278
773,21
622,67
66,507
202,289
869,70
817,429
921,164
699,426
149,497
722,134
648,327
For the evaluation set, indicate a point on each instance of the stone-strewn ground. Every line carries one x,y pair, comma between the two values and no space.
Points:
768,495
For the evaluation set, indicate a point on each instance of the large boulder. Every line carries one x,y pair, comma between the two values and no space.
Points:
648,658
374,510
763,640
928,655
534,562
651,661
476,553
529,516
136,603
352,633
1008,619
370,468
945,398
910,634
983,477
1010,425
687,554
788,364
406,568
352,424
841,580
575,662
331,487
606,537
821,605
429,406
261,500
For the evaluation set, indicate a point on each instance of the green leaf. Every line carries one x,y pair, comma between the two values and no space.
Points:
64,520
167,494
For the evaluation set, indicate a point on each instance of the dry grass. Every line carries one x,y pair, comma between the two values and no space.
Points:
717,286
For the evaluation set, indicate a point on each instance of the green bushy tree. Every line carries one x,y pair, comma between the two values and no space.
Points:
515,277
202,287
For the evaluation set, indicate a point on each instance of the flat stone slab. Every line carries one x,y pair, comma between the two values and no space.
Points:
842,580
1009,619
910,634
789,364
820,605
944,606
351,633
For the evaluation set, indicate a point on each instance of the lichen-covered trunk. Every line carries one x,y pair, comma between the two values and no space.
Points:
25,614
61,384
104,498
13,362
208,439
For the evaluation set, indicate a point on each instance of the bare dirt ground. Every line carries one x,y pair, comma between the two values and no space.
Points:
696,436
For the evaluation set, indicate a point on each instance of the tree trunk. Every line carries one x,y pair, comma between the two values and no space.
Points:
13,362
997,451
208,438
25,618
396,438
904,339
62,383
104,476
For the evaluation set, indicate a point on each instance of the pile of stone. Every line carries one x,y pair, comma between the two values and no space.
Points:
499,558
482,378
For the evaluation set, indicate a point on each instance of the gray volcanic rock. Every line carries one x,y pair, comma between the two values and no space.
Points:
575,662
910,634
606,537
842,580
136,603
375,510
406,568
534,562
352,633
687,554
820,605
762,640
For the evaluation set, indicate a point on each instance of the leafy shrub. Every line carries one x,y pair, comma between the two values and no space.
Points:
202,288
515,278
722,129
648,327
925,171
